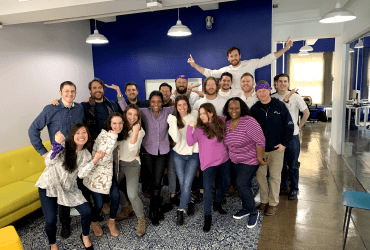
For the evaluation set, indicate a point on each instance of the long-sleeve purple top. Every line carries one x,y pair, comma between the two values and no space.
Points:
242,141
211,152
156,134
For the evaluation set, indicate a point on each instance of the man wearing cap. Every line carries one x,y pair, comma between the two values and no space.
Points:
238,67
278,128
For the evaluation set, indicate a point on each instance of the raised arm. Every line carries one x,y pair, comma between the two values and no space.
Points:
105,143
191,139
196,66
173,130
88,165
137,138
289,43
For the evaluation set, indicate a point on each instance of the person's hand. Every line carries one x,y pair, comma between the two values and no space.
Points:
289,43
44,155
193,86
138,153
172,100
280,148
262,161
87,99
136,128
295,90
171,118
115,87
55,102
192,123
59,137
191,61
99,155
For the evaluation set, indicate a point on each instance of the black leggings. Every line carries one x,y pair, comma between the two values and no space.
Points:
155,166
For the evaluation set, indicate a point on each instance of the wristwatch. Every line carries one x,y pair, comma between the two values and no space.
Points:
119,95
285,101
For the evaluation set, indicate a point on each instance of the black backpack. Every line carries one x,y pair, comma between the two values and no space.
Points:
321,116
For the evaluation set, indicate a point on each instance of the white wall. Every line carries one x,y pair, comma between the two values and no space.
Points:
34,60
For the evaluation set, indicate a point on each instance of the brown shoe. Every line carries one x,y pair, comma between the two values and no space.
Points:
146,194
262,207
230,191
106,208
112,227
97,229
126,213
271,210
140,226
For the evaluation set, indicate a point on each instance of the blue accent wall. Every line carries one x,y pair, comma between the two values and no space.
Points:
321,45
140,49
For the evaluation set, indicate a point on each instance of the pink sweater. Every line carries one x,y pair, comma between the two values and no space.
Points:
242,141
211,152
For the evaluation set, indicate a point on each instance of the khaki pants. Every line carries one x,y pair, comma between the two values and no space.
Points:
275,161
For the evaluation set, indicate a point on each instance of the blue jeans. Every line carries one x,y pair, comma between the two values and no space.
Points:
291,159
186,167
244,176
50,210
209,176
98,201
171,173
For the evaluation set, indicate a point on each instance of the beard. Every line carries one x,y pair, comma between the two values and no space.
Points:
235,62
95,97
182,91
213,91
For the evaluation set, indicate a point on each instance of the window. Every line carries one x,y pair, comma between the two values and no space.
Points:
306,74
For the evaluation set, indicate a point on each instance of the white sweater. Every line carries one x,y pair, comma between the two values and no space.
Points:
219,103
179,135
128,151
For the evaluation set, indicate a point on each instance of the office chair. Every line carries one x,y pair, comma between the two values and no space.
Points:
308,101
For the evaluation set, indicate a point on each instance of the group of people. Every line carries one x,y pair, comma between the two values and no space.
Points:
102,148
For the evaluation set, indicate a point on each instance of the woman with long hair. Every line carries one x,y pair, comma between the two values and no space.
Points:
101,181
213,155
156,145
246,143
58,183
129,162
185,158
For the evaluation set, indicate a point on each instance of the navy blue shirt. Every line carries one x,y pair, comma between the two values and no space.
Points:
140,103
56,118
102,114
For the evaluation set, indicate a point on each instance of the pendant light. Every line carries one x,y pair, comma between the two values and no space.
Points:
306,47
179,29
351,50
303,53
96,38
338,15
360,44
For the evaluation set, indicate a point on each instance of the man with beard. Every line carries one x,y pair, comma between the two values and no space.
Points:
211,87
238,67
183,89
226,81
248,95
131,92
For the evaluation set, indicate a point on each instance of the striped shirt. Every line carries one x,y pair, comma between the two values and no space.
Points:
242,141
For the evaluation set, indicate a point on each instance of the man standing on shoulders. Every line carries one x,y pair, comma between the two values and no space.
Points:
278,127
58,118
248,95
294,103
211,88
238,67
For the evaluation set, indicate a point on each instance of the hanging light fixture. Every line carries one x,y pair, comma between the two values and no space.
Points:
306,47
351,50
360,44
96,38
338,15
303,53
179,29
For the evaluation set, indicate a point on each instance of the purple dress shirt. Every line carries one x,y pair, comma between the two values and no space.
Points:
156,134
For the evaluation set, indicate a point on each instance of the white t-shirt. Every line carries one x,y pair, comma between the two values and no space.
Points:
294,105
245,66
251,100
219,103
128,151
231,93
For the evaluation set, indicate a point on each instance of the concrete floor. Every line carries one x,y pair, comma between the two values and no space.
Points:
315,220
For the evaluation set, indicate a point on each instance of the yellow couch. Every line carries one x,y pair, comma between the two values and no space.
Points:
19,171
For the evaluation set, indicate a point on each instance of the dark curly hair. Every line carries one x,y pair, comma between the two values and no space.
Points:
126,124
70,155
244,110
217,126
180,123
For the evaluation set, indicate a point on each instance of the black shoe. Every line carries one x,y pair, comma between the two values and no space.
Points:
293,195
153,216
180,218
160,214
207,223
175,201
283,190
66,231
191,208
88,248
224,201
217,207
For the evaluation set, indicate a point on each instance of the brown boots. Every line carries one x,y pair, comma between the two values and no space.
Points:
126,213
97,229
140,226
112,227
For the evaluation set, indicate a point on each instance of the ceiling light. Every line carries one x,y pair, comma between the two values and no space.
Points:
96,38
306,48
303,53
351,50
360,44
338,15
179,29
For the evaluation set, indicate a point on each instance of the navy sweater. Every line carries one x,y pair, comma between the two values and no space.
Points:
276,123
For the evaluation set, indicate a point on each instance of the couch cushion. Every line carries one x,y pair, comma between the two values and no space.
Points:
17,195
33,178
19,164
